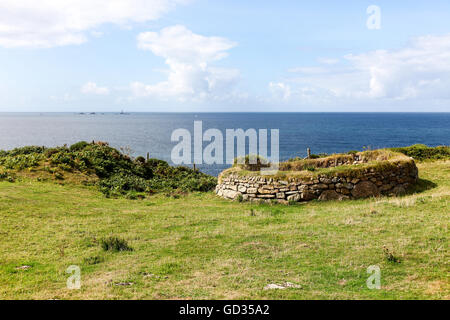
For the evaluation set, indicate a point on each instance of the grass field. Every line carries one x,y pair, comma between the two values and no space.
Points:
202,247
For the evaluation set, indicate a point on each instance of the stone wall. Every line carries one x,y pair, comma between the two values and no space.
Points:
392,178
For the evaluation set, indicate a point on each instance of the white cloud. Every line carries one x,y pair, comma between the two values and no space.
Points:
420,71
189,57
93,88
309,70
327,60
50,23
280,89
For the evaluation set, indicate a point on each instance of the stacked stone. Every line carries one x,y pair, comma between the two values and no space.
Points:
369,183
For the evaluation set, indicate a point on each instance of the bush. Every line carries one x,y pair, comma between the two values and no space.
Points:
78,146
118,174
123,183
140,160
115,244
21,161
7,176
25,150
422,152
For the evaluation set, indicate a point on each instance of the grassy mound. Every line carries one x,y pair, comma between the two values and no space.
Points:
352,164
114,172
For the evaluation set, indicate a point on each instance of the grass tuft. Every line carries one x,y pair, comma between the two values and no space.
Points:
115,244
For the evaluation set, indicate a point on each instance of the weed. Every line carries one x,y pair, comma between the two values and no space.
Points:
115,244
389,255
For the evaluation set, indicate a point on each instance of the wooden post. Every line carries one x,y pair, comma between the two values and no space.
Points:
308,151
148,155
194,166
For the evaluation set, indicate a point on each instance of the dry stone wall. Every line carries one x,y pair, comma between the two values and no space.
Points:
392,179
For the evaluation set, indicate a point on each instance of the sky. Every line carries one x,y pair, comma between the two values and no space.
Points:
224,55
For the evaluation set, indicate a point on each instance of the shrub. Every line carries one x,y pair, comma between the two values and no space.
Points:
140,160
78,146
58,175
7,176
123,183
115,244
132,195
21,161
25,150
422,152
118,174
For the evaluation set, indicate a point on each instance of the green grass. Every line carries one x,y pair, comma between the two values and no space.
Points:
199,246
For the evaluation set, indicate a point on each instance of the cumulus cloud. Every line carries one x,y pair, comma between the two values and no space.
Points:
418,71
189,57
50,23
280,89
93,88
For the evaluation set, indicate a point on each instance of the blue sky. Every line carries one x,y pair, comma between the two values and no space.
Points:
196,55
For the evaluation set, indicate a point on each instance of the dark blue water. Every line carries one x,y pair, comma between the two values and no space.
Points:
151,132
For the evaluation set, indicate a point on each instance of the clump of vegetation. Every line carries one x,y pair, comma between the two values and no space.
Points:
93,260
251,162
318,156
389,255
118,174
6,175
21,161
78,146
115,244
422,152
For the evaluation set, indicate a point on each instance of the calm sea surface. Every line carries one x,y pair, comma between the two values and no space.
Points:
151,132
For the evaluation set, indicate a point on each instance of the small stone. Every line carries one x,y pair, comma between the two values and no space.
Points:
273,286
230,194
294,197
252,190
23,267
124,284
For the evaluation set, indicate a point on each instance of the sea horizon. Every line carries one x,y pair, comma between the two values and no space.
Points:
150,132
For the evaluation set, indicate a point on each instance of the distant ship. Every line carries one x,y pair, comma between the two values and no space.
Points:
123,113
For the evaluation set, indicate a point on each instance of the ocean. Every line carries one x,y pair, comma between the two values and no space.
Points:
151,132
